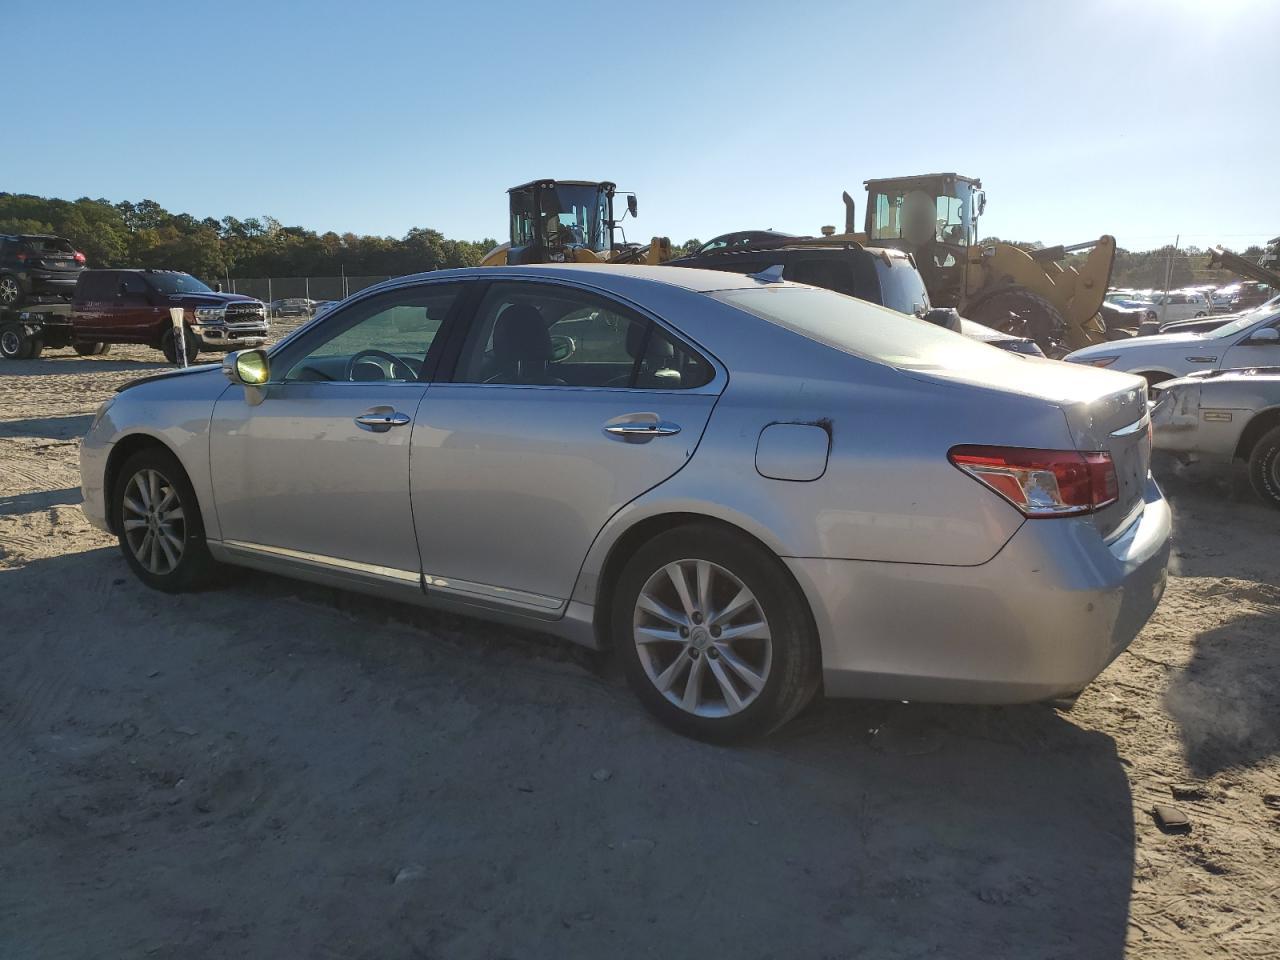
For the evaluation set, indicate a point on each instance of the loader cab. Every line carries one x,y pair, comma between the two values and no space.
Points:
554,221
935,218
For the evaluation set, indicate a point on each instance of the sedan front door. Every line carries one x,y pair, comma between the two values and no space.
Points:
1254,349
316,476
563,407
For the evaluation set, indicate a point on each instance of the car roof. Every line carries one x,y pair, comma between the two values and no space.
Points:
609,276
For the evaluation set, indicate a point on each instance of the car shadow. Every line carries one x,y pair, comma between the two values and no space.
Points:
17,503
53,428
462,789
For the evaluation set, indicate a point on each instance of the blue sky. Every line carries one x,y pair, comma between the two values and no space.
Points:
1144,118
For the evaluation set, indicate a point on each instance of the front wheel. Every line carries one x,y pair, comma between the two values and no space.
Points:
1024,314
159,526
1264,467
169,346
91,349
715,637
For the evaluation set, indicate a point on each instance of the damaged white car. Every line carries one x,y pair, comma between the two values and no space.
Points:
1223,416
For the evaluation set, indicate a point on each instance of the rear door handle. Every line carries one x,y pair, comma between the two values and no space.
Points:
644,430
380,421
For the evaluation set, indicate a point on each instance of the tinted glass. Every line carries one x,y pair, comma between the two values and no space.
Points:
132,286
96,285
48,245
383,338
831,273
859,328
548,335
176,283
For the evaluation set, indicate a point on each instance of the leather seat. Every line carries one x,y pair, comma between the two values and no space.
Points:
521,347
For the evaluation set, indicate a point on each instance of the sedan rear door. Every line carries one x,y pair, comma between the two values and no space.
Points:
564,406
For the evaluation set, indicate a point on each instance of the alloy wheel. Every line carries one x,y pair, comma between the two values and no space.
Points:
702,638
9,291
154,523
10,343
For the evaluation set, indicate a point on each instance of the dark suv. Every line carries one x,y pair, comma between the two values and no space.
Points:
879,275
37,266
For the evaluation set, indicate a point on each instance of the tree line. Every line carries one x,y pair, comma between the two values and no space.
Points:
145,234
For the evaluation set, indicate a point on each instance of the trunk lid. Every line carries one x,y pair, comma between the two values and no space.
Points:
1105,411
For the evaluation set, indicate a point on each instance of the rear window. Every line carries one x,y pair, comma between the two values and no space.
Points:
860,328
47,245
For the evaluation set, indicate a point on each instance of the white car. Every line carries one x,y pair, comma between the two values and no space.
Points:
1253,340
1181,305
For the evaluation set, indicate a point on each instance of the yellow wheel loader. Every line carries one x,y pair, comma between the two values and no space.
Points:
935,218
570,221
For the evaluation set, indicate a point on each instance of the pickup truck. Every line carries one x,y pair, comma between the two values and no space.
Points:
132,306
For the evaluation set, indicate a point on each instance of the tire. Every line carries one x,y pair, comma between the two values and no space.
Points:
175,562
783,658
1024,314
90,349
11,295
14,343
1201,314
168,346
1264,467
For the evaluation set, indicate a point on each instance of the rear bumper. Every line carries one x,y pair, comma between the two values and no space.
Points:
48,282
1039,620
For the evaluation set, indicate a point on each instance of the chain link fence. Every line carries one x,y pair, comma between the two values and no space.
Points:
269,289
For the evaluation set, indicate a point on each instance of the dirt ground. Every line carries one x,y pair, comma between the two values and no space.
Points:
277,770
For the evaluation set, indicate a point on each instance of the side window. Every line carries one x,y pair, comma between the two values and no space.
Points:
131,287
547,335
830,273
385,337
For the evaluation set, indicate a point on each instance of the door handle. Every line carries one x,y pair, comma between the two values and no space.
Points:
382,421
645,430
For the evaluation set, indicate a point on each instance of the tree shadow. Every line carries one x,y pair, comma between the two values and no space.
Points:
54,428
529,799
73,363
1226,700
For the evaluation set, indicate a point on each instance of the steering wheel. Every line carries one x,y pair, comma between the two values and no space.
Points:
392,361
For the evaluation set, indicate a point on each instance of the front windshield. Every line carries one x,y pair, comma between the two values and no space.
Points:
923,213
1266,312
176,283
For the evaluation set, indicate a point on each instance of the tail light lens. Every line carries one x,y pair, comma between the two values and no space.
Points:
1042,483
79,257
21,256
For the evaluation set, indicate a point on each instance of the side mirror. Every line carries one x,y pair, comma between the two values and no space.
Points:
632,206
1265,336
249,368
982,202
562,348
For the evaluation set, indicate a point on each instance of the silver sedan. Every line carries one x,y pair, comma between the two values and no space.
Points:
749,490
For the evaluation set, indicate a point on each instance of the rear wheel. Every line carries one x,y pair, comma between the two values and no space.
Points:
714,636
1023,314
1264,467
10,292
169,346
15,344
160,529
91,349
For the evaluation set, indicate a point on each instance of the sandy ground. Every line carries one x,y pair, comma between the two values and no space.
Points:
276,770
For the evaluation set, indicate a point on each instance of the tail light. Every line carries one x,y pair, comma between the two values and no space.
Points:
21,256
79,257
1042,483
